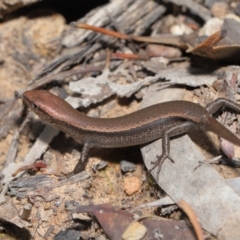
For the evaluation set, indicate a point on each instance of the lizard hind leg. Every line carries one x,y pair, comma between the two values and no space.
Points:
174,130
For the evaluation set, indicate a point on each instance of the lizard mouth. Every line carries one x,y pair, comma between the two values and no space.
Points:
26,100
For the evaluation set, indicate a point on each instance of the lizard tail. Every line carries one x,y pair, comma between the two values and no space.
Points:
216,127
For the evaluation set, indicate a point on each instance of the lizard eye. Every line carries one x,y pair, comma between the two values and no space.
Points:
34,106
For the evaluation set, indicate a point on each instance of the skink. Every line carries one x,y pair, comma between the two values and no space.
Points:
162,120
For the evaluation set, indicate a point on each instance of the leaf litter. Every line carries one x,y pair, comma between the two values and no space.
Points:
117,78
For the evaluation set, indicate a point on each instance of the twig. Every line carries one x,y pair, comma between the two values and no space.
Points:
193,218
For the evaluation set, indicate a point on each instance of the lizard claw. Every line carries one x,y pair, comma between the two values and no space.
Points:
158,163
170,159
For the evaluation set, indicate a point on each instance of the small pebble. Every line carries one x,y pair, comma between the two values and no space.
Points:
131,185
155,50
68,234
101,237
211,26
220,9
81,216
70,205
180,29
127,166
27,209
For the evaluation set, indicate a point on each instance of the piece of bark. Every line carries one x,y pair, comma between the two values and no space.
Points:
235,184
94,90
135,17
195,7
38,148
7,6
102,88
25,186
215,203
35,153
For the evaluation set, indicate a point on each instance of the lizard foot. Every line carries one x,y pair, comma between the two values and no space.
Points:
158,163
